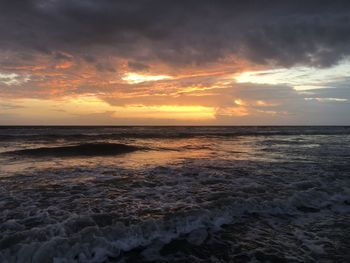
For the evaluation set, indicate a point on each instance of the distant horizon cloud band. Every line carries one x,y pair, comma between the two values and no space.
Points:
162,62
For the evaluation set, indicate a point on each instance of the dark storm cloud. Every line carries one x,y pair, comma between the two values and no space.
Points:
180,32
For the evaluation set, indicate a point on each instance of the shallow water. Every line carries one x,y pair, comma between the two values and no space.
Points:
183,194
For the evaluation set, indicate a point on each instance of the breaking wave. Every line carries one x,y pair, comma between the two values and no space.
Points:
94,238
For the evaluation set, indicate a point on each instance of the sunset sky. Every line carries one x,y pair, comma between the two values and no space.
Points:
161,62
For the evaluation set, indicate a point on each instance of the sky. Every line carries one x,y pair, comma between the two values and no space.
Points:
162,62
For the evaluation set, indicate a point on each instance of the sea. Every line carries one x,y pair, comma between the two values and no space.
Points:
174,194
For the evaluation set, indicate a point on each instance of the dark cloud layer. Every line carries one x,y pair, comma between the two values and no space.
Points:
179,32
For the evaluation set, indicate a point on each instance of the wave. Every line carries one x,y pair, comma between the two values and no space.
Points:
86,149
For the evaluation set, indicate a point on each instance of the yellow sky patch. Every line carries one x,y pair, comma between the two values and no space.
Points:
86,105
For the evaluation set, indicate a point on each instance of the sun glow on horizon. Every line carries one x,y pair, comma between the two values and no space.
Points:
166,112
88,106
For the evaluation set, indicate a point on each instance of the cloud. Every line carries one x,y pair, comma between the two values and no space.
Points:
158,53
181,32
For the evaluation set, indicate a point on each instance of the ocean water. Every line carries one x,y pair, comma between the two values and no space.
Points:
174,194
